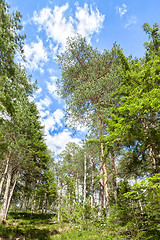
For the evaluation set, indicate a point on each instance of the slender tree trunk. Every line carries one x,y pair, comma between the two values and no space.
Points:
5,173
101,188
11,193
6,196
33,207
92,185
77,188
106,190
85,181
150,148
24,202
114,176
45,203
101,172
152,157
60,203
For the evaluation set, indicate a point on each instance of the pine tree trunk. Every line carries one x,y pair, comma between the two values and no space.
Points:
5,173
106,190
114,176
60,203
85,179
11,193
101,188
150,148
92,185
101,180
45,203
3,210
77,188
153,160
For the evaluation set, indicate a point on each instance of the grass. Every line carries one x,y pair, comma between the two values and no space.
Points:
27,226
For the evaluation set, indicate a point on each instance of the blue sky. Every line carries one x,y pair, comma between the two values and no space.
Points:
47,24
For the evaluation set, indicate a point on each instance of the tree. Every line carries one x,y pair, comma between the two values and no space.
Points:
88,77
134,122
22,142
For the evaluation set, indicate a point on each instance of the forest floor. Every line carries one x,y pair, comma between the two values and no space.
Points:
27,226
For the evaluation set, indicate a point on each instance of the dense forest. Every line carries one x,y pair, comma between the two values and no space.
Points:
109,186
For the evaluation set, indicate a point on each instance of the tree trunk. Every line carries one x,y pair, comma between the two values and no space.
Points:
77,188
5,173
153,160
11,193
114,176
92,185
60,203
85,179
101,188
45,203
6,196
150,148
101,180
106,190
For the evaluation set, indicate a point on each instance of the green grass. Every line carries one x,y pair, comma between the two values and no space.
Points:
27,226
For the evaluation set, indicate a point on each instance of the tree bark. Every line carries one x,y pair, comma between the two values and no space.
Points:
152,157
6,195
105,179
85,179
11,193
101,188
103,172
114,176
45,203
92,184
60,203
77,188
5,173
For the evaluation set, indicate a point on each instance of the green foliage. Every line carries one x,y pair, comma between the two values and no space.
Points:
88,75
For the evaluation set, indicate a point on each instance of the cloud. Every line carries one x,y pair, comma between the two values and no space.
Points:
88,20
39,90
52,88
131,21
55,24
36,55
58,142
43,103
122,10
49,120
59,24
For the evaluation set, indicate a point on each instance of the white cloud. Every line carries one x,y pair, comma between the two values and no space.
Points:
58,115
43,103
44,113
59,25
122,10
36,55
58,142
54,22
52,88
50,120
131,21
39,90
89,21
